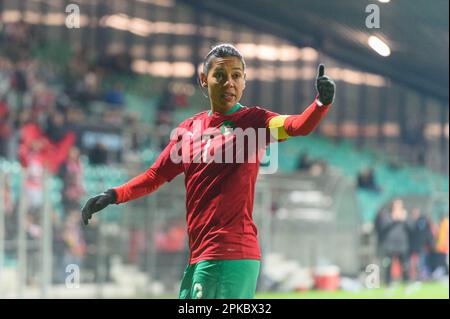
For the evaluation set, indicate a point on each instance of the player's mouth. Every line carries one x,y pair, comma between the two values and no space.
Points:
228,97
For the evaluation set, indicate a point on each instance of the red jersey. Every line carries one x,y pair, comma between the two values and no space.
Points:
219,193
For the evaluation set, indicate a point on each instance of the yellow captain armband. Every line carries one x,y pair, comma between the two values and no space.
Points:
276,126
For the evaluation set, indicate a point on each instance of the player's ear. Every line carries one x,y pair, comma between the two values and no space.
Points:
245,80
203,80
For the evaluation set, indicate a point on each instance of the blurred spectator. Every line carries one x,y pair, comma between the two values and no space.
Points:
98,155
314,168
113,117
115,97
18,37
441,248
421,242
19,84
52,153
55,129
78,64
43,103
87,89
394,233
62,102
73,180
19,79
304,162
75,120
366,180
91,83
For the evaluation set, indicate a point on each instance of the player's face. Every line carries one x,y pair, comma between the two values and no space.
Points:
226,82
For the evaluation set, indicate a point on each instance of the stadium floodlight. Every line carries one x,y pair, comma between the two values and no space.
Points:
379,46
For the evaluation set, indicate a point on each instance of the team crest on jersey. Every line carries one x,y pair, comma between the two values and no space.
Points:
227,127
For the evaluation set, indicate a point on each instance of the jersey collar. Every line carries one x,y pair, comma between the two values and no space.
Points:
231,111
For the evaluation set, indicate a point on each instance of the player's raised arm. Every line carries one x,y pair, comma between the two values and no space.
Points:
163,170
304,123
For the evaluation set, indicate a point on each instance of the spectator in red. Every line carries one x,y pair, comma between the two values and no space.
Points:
53,154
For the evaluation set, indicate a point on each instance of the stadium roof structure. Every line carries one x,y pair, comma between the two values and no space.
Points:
416,31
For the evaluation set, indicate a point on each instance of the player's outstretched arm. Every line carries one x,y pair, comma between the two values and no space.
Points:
162,171
139,186
304,123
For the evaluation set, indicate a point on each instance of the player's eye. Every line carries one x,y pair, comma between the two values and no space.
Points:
237,76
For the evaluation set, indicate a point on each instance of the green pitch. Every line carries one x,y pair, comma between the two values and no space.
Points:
422,291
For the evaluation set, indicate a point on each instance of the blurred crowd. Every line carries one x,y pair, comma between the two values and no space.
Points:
38,129
44,110
410,245
40,99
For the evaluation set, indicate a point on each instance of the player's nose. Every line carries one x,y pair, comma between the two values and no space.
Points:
229,82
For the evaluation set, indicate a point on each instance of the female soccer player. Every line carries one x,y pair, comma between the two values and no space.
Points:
225,256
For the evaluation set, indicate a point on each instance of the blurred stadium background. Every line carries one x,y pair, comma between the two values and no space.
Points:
84,109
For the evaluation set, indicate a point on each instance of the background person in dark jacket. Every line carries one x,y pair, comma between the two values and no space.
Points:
421,242
395,233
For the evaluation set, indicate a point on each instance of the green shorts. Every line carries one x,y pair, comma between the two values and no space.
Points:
220,279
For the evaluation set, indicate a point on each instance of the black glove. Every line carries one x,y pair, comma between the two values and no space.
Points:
97,203
325,86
